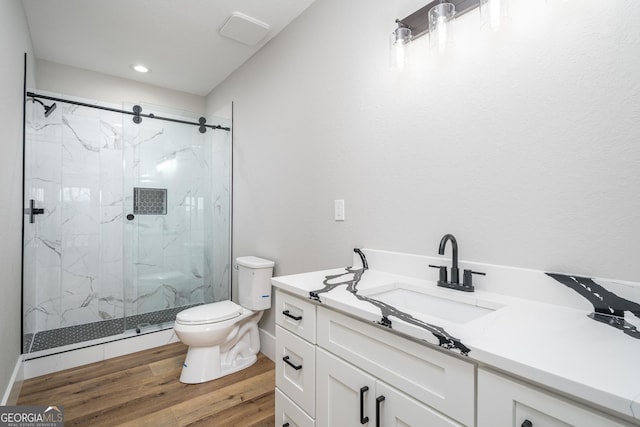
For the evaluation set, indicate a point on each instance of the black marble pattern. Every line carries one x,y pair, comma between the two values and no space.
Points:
351,277
608,307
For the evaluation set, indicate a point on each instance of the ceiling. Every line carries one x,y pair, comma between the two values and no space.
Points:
177,39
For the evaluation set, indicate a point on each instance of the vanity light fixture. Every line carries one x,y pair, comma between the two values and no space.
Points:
399,47
140,68
435,18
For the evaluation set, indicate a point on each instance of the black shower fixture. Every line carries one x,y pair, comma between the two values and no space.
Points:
136,112
48,109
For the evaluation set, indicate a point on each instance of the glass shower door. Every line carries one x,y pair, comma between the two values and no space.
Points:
172,207
125,224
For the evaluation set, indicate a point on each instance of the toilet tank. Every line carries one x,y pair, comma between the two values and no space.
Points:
254,282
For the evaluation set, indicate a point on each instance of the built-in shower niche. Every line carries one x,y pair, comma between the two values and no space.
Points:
149,201
135,223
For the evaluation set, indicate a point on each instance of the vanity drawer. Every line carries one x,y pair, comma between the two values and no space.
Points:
445,383
295,369
296,315
289,412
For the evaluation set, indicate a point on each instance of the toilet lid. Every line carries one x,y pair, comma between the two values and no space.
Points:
209,313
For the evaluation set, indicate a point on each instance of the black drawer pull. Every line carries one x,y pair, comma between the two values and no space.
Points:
296,367
363,419
527,423
285,425
379,400
286,313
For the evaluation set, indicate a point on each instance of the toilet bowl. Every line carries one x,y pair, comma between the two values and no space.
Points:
223,337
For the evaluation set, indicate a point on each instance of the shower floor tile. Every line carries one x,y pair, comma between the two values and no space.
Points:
53,338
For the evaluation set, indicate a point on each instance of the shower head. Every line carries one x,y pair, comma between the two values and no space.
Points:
48,109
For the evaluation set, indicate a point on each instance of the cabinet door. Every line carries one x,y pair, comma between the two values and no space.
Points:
505,402
339,397
398,409
295,369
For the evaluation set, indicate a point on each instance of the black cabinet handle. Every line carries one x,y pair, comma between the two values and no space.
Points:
285,425
286,313
363,419
296,367
379,401
527,423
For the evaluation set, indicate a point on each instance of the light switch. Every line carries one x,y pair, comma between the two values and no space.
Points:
338,210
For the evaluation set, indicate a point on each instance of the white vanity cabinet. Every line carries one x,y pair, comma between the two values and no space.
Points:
348,396
334,370
507,402
435,379
295,361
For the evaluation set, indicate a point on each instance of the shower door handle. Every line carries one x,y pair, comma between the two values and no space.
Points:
32,211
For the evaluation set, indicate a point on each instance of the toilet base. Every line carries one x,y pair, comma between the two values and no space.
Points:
202,364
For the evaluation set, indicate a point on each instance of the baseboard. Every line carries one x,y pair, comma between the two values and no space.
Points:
267,344
12,392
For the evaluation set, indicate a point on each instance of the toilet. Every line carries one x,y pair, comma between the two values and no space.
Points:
223,336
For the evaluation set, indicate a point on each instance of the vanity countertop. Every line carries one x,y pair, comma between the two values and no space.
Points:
559,346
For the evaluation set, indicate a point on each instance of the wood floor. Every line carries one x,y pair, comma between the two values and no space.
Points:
142,389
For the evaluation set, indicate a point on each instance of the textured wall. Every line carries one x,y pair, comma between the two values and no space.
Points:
524,145
14,42
89,84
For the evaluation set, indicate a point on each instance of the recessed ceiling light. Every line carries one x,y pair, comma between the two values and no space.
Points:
140,68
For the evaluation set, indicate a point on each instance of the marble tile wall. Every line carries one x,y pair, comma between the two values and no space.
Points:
84,261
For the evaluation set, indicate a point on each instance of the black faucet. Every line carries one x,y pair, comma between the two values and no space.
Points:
466,284
455,278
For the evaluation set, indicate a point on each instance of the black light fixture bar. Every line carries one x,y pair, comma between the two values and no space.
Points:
418,22
136,112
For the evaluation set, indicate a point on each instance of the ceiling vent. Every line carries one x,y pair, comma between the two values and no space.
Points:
244,29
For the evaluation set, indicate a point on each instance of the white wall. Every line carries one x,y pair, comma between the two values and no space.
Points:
70,80
14,42
523,145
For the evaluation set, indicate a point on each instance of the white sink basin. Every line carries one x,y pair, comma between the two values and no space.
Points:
413,299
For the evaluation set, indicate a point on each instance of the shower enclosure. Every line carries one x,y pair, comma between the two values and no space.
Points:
127,219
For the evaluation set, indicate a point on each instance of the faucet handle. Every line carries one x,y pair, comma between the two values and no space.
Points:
442,277
467,280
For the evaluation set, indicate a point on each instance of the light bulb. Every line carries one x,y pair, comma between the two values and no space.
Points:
400,56
399,49
494,14
442,34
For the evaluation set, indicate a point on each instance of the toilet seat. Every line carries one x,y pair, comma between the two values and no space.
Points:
209,313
